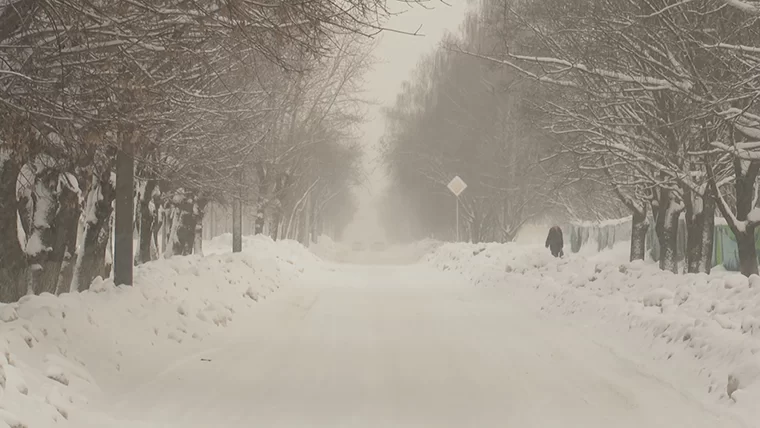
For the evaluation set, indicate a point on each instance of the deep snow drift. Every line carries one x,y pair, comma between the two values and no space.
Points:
61,353
699,331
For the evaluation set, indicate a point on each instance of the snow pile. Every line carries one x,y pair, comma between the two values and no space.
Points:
706,325
57,353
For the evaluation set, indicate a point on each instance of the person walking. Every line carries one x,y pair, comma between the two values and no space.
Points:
554,241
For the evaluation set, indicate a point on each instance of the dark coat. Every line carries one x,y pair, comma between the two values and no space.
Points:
554,241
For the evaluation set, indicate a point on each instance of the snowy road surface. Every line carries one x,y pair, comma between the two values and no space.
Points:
405,346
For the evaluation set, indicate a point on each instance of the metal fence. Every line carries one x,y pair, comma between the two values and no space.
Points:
602,236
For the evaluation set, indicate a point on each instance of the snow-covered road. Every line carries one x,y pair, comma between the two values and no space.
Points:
406,346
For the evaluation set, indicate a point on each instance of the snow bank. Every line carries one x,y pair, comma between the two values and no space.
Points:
706,327
58,353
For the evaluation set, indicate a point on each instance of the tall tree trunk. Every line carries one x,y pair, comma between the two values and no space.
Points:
198,241
667,229
91,261
745,239
166,226
262,171
108,266
12,261
172,242
158,222
316,220
65,229
708,233
279,226
740,224
700,223
40,198
199,211
183,226
307,220
237,225
124,222
145,223
639,229
745,242
283,179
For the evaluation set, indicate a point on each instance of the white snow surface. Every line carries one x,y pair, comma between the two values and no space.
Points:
699,333
62,358
470,336
392,254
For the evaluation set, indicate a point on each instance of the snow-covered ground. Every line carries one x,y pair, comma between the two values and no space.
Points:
471,335
699,333
387,254
63,357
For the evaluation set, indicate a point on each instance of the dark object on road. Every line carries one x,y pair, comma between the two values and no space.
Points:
554,241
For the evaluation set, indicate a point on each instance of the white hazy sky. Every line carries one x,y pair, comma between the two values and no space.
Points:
397,55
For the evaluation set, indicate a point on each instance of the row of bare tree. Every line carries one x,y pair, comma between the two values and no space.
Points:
655,99
121,120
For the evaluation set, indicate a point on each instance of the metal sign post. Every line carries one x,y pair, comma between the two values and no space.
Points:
457,186
457,218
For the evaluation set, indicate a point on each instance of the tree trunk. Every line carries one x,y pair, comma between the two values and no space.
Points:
198,241
667,230
65,227
124,225
91,262
158,222
40,199
12,261
639,229
166,227
708,234
173,220
745,239
237,225
276,223
258,227
316,220
262,172
700,223
307,220
145,222
745,242
278,211
183,226
199,211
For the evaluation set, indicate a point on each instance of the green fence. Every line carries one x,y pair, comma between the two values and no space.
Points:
605,235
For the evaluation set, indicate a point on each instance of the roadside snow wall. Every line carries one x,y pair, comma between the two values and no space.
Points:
709,324
58,353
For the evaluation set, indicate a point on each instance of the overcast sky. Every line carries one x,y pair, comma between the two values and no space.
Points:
396,55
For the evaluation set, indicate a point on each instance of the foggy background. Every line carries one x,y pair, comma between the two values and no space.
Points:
396,57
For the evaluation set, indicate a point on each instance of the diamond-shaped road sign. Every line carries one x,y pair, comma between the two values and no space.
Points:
457,186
